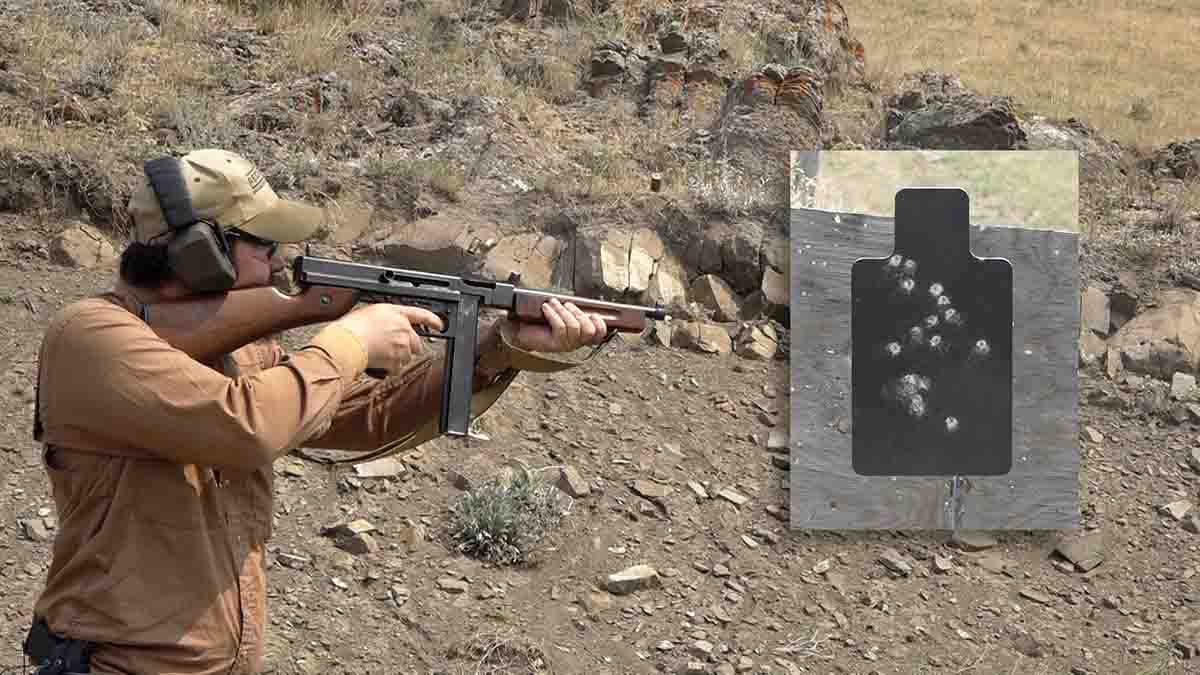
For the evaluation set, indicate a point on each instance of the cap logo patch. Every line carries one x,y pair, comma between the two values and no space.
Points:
255,179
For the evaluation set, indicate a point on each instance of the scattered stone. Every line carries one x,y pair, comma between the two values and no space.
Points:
572,483
34,529
411,534
384,467
1183,385
732,496
942,564
1192,523
651,490
357,544
972,541
632,579
892,560
594,603
1040,598
777,512
1095,436
292,561
1177,509
698,489
777,441
359,526
452,585
1085,551
1029,646
459,481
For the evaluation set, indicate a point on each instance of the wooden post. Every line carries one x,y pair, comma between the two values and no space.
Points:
655,182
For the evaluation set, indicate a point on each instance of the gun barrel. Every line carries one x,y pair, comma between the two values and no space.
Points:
649,312
626,318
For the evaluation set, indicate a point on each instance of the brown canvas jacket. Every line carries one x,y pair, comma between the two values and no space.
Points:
161,471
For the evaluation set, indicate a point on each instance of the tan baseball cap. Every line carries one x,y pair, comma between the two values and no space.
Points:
228,190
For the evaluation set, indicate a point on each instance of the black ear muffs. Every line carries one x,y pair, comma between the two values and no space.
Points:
196,251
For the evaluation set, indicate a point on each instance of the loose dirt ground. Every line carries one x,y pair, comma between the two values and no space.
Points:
739,591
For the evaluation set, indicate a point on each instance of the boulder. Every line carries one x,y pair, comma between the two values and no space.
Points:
535,257
82,246
453,241
772,300
715,295
1164,339
1094,311
757,341
701,336
1098,156
614,263
667,286
934,110
1179,159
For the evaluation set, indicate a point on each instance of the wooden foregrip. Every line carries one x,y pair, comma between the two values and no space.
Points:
207,327
528,307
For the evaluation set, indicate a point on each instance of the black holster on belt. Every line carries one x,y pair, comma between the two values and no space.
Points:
55,654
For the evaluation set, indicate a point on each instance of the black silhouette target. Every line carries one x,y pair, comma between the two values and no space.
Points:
931,334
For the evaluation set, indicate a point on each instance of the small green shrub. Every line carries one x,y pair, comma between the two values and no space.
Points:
501,520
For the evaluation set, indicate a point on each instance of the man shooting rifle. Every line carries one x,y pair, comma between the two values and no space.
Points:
159,447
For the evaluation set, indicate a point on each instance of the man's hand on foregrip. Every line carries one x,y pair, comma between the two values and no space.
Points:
567,328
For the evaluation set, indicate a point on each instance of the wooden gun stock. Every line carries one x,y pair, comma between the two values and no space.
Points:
206,327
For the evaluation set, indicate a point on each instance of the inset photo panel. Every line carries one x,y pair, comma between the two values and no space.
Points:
935,340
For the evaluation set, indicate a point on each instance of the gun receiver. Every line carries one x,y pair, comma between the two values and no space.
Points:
458,300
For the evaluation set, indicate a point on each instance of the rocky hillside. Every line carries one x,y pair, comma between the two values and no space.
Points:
630,150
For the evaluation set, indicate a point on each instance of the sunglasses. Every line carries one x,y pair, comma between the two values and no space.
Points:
271,246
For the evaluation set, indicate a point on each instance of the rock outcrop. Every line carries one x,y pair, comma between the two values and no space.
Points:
1098,157
1175,160
766,116
1162,340
934,110
71,184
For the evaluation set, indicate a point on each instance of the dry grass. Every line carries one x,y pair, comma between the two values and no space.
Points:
1124,66
494,652
1033,189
